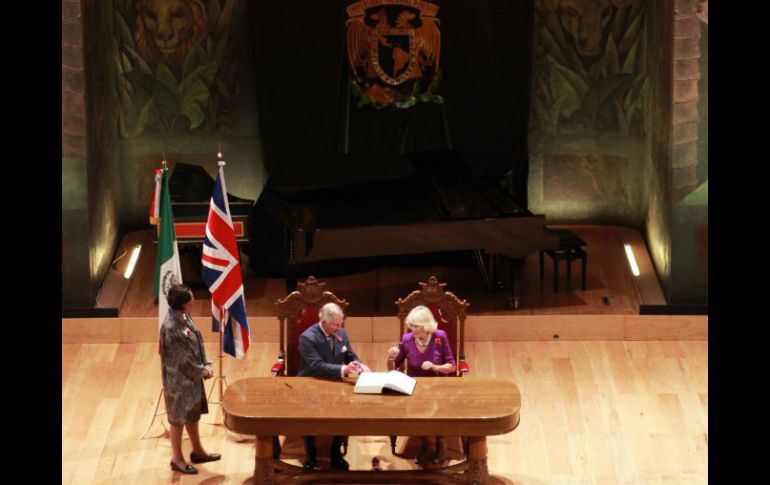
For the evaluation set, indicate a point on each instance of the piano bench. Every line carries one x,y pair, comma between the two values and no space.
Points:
569,255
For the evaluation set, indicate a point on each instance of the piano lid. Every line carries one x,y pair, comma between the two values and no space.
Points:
298,173
190,189
351,190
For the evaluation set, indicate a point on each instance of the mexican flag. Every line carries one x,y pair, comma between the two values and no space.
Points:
167,270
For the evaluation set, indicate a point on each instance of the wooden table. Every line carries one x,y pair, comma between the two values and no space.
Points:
474,407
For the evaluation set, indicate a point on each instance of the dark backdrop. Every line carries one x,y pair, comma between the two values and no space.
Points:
302,82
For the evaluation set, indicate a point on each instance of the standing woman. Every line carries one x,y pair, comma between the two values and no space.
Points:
184,366
427,353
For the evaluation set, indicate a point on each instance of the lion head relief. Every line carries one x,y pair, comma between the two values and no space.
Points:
166,30
586,23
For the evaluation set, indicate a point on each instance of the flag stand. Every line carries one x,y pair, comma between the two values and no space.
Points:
155,414
221,378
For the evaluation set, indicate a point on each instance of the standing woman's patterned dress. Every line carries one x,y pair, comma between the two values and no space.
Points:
182,360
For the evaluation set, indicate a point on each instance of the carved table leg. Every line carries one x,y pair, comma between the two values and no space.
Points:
263,470
478,474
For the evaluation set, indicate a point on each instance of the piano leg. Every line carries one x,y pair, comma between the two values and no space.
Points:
512,274
497,260
483,268
542,269
555,273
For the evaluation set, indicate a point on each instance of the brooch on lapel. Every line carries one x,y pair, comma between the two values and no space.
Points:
339,339
438,340
188,332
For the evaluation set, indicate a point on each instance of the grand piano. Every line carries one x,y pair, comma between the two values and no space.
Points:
190,189
330,208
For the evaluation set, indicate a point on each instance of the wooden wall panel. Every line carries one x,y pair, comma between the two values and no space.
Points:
484,328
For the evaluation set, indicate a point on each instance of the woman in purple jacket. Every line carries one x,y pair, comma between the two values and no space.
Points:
427,353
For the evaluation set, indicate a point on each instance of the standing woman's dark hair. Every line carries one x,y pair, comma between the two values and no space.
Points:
178,296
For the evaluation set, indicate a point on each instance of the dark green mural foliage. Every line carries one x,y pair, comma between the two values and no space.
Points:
589,67
175,66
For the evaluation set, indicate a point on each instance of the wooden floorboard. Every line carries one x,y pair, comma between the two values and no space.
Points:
605,412
610,287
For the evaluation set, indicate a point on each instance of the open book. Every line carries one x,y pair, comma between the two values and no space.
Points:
374,382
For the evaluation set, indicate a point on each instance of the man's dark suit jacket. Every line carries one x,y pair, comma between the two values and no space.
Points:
318,359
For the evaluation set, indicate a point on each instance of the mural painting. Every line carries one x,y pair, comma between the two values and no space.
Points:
589,102
175,66
571,179
589,66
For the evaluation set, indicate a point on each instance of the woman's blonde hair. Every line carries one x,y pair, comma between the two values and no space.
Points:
421,316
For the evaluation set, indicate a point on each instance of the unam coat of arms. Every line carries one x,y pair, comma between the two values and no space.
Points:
394,48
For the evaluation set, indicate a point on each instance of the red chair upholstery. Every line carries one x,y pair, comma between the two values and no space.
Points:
449,312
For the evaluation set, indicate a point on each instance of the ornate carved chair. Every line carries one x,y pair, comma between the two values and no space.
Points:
449,312
298,311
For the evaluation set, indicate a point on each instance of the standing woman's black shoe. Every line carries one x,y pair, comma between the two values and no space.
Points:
188,469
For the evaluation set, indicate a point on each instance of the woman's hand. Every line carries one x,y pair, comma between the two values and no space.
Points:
393,353
428,365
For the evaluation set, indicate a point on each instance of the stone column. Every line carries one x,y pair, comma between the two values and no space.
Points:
686,53
73,106
76,280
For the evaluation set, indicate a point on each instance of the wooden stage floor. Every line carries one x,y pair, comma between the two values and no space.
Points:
593,413
610,286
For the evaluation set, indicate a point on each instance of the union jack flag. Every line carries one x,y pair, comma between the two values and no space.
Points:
222,273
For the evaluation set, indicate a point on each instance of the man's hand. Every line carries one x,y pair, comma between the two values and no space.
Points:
363,366
353,367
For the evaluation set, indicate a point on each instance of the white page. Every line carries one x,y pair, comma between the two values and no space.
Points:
373,382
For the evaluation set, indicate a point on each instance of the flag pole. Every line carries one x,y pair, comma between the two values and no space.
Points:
156,413
221,378
221,369
222,274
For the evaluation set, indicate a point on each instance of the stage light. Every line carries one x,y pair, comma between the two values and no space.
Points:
631,260
132,261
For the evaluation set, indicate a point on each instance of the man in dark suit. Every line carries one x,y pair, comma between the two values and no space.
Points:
326,352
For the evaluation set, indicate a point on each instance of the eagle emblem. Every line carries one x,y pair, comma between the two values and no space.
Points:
394,49
167,280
